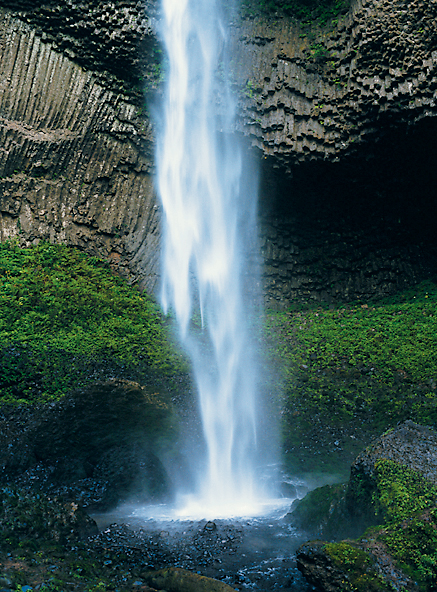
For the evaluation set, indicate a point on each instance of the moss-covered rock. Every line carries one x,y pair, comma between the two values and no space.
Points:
321,511
340,567
392,487
395,474
174,579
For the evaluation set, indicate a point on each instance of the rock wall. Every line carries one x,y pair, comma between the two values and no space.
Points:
311,93
345,117
319,105
75,158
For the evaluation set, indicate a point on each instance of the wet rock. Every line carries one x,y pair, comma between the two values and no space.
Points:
318,569
97,446
174,579
410,445
322,512
210,527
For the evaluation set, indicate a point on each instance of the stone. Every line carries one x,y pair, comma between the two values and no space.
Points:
367,562
174,579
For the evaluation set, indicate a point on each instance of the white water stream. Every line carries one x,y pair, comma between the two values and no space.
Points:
209,214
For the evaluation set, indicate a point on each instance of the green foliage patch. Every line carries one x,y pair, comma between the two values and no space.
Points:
394,336
356,368
65,316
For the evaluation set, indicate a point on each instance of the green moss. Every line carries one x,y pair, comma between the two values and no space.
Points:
65,316
358,566
357,368
400,492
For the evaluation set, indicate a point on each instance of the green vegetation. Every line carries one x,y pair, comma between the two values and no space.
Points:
360,366
64,316
362,576
306,11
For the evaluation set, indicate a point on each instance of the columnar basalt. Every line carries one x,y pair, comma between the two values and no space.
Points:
321,92
76,158
353,100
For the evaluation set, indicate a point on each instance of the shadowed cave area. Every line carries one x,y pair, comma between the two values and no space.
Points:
360,228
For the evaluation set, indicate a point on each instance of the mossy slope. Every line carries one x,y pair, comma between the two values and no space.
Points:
350,373
66,318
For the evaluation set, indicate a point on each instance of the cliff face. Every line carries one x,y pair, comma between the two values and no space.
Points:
347,110
320,93
76,157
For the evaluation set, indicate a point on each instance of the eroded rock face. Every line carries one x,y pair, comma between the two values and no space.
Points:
77,158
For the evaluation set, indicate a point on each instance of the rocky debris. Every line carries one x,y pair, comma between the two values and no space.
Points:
97,446
35,517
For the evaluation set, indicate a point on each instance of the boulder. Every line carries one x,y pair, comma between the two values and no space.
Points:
174,579
393,489
409,445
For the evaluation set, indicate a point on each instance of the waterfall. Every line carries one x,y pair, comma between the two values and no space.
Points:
209,214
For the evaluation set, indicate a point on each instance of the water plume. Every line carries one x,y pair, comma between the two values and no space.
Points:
209,218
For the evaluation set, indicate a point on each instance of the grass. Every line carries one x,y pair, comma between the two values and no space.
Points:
65,316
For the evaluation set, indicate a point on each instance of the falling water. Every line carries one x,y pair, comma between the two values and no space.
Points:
209,213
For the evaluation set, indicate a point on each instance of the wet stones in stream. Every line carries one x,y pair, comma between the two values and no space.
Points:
256,554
